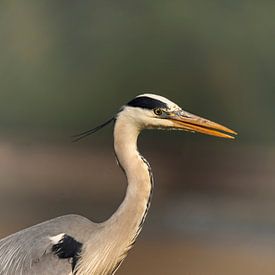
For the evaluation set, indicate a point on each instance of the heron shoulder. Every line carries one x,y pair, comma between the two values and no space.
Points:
50,243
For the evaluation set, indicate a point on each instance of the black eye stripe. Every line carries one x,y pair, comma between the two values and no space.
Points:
147,103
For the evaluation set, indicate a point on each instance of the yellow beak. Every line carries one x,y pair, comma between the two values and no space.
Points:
189,122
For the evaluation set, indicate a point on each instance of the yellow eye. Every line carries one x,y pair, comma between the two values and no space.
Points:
158,111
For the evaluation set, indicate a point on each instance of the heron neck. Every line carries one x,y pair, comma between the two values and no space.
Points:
133,209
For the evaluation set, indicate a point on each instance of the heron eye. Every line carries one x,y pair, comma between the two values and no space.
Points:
158,111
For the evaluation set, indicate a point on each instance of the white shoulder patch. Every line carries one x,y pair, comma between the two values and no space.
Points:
171,105
56,239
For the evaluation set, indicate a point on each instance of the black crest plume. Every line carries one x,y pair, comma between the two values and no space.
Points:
91,131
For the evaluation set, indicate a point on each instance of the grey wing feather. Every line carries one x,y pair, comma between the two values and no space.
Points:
30,251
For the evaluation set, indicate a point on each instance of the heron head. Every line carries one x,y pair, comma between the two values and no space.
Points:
154,111
150,111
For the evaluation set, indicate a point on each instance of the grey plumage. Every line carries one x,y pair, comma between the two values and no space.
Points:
74,245
30,251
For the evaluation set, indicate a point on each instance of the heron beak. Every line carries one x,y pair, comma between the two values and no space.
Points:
185,121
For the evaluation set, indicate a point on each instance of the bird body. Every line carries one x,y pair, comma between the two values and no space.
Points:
30,251
72,244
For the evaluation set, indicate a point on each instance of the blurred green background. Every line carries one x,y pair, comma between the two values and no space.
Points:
66,66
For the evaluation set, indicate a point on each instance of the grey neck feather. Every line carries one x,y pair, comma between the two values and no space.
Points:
130,216
118,233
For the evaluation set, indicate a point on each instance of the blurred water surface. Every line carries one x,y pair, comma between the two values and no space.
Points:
210,214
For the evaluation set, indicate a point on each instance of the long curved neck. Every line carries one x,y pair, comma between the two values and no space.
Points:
118,233
130,215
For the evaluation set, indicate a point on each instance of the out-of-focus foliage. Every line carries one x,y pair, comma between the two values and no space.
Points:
68,64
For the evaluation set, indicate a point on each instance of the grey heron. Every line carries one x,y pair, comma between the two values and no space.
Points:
72,244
